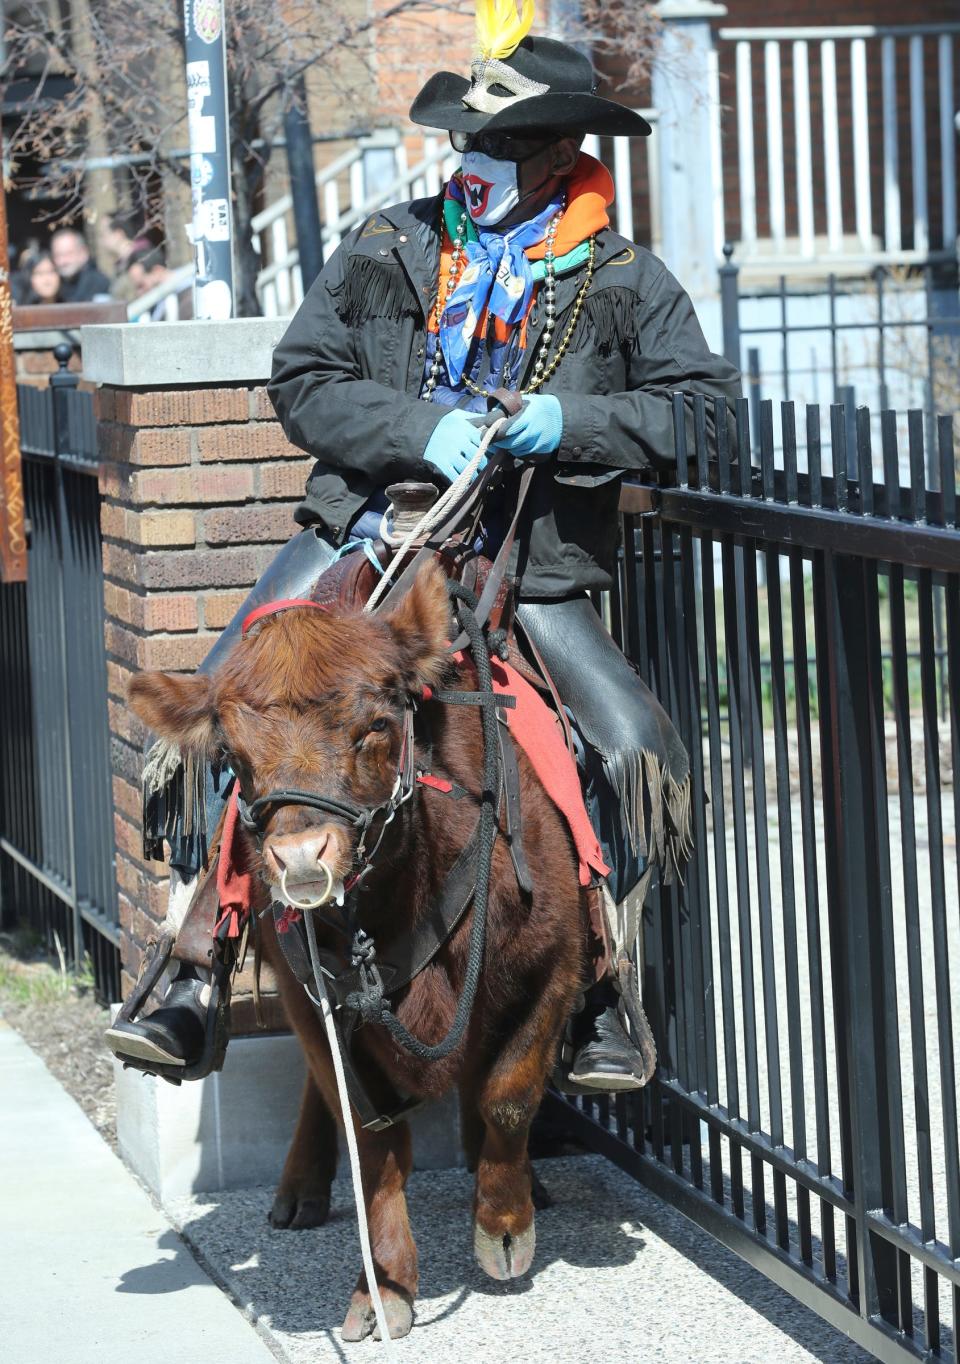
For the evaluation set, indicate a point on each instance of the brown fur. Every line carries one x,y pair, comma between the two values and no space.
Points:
293,705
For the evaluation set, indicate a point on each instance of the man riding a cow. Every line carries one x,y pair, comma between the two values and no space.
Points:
508,294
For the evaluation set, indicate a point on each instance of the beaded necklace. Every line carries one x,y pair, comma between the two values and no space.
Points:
542,371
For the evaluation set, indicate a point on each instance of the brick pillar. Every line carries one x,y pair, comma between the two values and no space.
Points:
198,487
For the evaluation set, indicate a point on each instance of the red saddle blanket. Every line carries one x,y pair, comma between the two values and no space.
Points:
537,730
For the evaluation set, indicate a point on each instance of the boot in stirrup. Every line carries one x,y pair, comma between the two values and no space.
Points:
606,1056
185,1037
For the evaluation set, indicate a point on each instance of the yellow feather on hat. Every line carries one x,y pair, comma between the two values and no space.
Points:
502,27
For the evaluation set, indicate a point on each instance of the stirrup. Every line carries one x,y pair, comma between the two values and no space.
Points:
622,976
216,1031
625,982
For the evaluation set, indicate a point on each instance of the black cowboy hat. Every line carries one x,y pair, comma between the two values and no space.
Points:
563,101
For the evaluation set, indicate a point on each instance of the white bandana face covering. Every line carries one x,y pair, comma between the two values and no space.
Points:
490,188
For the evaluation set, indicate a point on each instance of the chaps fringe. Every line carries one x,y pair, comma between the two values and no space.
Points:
174,793
657,810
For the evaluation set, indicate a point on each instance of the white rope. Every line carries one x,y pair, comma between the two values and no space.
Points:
438,512
351,1136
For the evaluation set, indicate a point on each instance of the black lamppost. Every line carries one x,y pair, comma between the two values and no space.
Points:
303,184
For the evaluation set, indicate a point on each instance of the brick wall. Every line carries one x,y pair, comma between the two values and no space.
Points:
198,487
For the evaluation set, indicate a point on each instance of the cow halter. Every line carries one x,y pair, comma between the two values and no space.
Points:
254,815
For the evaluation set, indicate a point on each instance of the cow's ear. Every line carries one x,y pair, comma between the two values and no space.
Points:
421,624
176,707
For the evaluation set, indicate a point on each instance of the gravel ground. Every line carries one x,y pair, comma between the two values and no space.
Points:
619,1277
63,1023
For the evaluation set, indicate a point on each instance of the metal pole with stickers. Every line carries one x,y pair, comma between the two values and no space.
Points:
209,125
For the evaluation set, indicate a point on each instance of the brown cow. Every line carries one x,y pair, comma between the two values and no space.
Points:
314,701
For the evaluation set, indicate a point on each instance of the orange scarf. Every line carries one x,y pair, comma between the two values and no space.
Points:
590,193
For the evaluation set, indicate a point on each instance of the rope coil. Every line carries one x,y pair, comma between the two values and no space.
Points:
438,513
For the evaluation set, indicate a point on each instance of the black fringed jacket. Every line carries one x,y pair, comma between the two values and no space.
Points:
347,373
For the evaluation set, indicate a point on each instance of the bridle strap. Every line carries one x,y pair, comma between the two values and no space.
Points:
361,817
353,814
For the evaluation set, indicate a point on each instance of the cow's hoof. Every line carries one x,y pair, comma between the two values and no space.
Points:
297,1213
399,1314
361,1320
504,1257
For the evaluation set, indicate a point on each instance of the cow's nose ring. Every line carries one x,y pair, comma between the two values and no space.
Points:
308,904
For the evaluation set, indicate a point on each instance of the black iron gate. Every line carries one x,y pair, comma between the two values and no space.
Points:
56,802
805,1109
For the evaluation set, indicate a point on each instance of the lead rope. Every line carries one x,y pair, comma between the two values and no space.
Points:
334,1042
433,517
438,512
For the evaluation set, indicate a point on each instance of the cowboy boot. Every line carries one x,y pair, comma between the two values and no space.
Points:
610,1038
185,1037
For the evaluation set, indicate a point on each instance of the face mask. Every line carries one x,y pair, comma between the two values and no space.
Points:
490,188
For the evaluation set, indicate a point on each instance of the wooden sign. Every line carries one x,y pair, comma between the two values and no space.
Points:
13,538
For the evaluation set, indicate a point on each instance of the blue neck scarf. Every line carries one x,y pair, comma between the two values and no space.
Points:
498,276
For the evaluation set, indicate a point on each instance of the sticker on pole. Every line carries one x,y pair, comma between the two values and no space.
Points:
201,171
214,220
198,82
206,20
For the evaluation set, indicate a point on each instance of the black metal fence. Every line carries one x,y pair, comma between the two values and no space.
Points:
799,983
56,804
887,339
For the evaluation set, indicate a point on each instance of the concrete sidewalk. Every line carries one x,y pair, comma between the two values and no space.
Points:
92,1272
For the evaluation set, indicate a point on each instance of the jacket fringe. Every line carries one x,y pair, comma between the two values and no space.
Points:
657,810
373,289
610,320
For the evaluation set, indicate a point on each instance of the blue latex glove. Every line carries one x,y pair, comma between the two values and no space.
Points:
535,432
454,443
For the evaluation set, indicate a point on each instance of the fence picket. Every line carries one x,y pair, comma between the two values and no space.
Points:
948,140
745,149
716,158
918,146
831,144
891,146
860,113
801,124
622,179
776,179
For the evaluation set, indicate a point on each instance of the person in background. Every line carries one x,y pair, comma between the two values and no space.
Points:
81,281
43,280
19,284
116,246
146,269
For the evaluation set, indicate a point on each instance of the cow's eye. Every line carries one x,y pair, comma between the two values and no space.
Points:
375,727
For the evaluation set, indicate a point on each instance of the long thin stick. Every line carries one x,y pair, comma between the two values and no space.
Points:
13,536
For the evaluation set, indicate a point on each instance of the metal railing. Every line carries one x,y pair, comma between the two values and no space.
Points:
800,983
817,110
375,171
56,799
889,339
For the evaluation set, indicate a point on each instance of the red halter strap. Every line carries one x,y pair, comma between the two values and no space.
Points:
270,608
